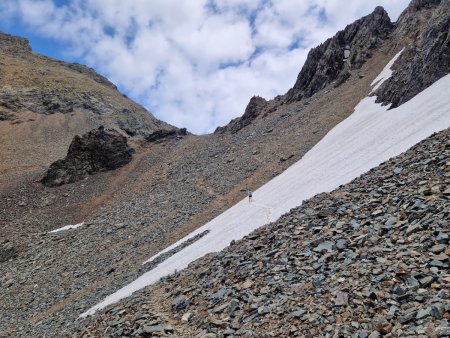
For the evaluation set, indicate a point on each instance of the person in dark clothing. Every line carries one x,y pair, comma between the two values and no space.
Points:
250,195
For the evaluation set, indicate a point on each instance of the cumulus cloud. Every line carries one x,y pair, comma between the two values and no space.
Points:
193,63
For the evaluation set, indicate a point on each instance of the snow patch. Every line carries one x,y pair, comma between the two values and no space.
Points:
368,137
67,227
386,73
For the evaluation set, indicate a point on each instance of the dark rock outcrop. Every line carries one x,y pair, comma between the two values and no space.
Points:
98,150
161,135
423,30
254,109
326,63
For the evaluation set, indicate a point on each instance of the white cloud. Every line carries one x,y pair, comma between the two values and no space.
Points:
193,63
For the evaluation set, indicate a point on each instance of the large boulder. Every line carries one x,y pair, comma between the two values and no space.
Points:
98,150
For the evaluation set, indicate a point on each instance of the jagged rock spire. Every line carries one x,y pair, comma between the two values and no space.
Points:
326,62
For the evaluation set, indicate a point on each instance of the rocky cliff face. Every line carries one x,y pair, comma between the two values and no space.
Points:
96,151
423,31
327,63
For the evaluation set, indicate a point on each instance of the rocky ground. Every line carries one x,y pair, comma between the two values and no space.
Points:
369,259
171,187
168,190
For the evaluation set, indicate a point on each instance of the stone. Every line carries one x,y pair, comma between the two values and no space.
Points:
99,150
234,305
375,334
158,328
437,310
423,313
324,246
426,281
341,299
413,228
246,284
440,257
407,318
298,313
438,248
186,317
219,294
181,302
341,244
382,325
398,170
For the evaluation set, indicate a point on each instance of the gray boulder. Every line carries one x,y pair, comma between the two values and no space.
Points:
98,150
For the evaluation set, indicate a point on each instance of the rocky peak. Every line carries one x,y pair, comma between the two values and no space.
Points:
330,62
31,82
416,5
327,63
13,44
423,32
253,109
98,150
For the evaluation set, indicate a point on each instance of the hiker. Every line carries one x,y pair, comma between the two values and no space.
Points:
250,194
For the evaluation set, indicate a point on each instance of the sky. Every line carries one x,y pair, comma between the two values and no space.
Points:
191,63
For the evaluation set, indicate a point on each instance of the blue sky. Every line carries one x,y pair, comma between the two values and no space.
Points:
192,63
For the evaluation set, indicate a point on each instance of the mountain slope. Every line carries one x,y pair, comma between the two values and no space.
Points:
44,103
371,257
172,187
371,135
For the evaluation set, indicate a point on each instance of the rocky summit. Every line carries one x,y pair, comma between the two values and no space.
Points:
370,259
427,23
328,63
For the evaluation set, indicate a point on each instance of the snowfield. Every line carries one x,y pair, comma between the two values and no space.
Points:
385,73
368,137
67,227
